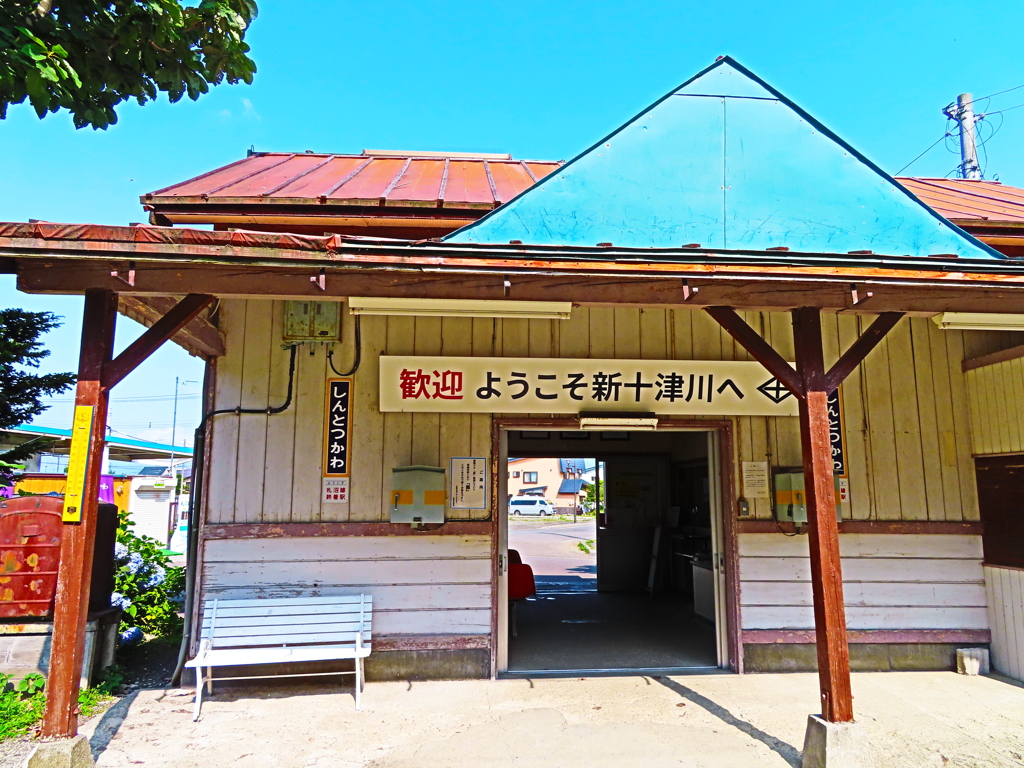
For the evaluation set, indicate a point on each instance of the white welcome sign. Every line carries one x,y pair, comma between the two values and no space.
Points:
554,385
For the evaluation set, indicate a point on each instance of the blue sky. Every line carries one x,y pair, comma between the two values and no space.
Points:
538,79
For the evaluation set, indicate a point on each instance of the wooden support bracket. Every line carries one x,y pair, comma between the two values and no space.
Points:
177,318
762,351
200,337
860,349
689,291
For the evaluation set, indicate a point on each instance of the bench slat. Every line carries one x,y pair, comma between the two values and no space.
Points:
280,621
293,614
294,639
238,656
351,627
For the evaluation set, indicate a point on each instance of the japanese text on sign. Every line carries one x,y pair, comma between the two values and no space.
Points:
335,490
537,385
78,464
338,427
835,432
468,483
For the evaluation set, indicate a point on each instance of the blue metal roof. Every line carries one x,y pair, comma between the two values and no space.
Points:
178,450
572,485
575,465
724,162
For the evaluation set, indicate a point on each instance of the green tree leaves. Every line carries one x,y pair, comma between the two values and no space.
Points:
88,56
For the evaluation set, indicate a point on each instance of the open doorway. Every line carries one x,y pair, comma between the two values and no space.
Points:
622,560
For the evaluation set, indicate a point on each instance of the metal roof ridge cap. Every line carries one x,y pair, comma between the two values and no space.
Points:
725,96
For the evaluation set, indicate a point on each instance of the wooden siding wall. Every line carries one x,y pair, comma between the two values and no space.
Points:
996,395
424,585
907,414
890,581
1006,613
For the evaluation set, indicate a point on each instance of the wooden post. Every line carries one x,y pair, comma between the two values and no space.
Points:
78,542
823,530
812,385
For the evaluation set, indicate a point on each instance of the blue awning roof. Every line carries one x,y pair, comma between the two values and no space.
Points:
572,485
724,162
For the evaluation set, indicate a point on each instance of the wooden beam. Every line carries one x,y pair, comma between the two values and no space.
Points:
860,349
200,337
179,316
78,541
609,284
1002,356
823,531
761,350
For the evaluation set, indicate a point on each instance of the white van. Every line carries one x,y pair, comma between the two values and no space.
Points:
531,506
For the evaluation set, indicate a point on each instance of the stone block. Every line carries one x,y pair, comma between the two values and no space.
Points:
834,745
62,753
972,661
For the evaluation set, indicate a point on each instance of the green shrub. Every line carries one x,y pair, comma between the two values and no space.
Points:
146,586
22,703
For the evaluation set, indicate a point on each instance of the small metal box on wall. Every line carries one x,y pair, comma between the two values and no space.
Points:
791,498
417,495
312,321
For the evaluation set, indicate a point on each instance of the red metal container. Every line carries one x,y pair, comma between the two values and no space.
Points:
30,534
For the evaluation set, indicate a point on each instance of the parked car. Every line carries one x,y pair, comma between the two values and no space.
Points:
535,506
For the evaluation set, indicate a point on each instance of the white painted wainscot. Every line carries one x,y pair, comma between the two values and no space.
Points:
421,585
1006,611
890,581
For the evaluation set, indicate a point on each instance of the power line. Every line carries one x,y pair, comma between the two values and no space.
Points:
930,148
1000,93
1000,111
140,399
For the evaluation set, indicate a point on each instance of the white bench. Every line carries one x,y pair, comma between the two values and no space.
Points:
281,630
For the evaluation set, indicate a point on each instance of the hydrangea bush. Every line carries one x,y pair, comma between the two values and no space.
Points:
147,587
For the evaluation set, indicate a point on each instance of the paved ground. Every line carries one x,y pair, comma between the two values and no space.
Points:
911,719
552,550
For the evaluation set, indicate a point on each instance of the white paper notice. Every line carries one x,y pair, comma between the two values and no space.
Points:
335,490
755,479
468,483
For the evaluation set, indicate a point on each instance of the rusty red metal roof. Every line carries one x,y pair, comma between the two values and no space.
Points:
969,202
373,178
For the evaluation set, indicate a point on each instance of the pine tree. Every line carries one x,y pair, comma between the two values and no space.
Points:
20,388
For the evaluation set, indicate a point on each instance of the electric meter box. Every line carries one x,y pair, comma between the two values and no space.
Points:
791,497
418,495
312,321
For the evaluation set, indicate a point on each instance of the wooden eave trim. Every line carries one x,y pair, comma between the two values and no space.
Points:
198,204
904,527
195,255
1002,356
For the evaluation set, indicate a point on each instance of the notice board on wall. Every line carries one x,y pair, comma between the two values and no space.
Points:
468,479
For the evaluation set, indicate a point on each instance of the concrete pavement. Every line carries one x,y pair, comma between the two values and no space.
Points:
911,719
552,550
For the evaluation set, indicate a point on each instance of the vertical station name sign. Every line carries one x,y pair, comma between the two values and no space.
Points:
337,440
556,385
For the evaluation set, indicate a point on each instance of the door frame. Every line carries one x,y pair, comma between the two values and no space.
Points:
721,432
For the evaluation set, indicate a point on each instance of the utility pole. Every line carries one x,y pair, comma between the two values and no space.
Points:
963,113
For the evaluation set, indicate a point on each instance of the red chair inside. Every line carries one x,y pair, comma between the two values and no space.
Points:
520,581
